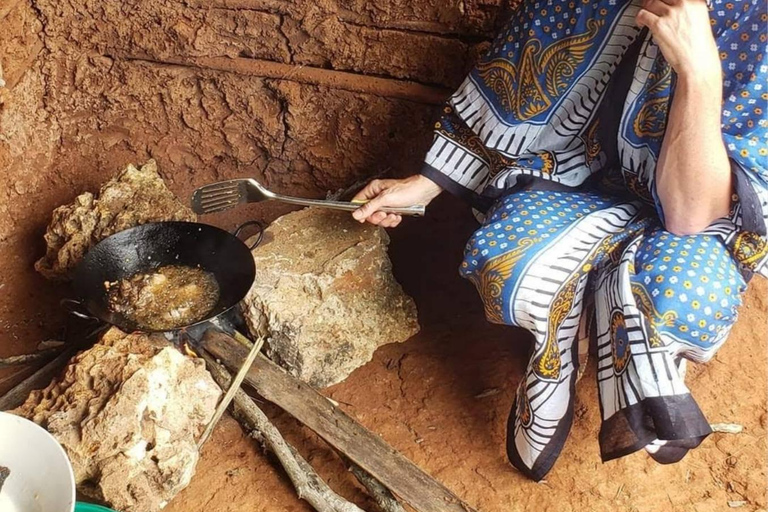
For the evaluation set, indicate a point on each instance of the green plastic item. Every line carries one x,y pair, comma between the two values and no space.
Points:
90,507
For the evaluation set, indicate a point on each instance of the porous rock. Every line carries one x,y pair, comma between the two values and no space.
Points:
128,412
324,295
135,196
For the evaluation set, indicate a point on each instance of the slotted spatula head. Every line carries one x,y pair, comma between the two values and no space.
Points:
219,196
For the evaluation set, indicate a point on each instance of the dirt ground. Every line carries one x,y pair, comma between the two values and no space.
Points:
309,97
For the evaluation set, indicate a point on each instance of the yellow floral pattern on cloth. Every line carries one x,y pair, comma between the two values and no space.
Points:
453,128
523,406
547,364
749,249
495,273
592,142
620,347
687,287
530,85
654,317
651,121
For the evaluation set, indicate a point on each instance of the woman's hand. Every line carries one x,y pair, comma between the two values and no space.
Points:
415,190
682,30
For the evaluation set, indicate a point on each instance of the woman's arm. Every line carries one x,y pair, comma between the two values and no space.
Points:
693,174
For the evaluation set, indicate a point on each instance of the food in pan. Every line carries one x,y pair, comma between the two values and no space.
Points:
166,298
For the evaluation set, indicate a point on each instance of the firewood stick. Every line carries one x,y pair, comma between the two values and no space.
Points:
385,500
37,380
308,484
407,481
230,394
25,359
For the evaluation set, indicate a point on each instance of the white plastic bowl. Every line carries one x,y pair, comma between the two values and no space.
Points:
41,478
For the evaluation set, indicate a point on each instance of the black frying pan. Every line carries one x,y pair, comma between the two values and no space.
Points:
149,246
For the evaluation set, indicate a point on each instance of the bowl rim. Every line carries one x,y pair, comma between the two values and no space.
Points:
7,416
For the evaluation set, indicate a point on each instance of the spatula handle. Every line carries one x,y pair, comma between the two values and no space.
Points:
414,211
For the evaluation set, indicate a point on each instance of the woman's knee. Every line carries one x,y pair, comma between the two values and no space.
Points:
693,282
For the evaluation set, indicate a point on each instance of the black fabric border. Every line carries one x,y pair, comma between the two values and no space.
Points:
650,419
483,202
751,211
477,201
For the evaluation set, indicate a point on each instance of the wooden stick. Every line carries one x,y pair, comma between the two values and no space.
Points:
381,495
37,380
363,447
25,359
230,394
373,85
385,500
309,486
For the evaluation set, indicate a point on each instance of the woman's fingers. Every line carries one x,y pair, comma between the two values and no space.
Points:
377,217
646,18
380,194
657,7
369,208
390,220
371,190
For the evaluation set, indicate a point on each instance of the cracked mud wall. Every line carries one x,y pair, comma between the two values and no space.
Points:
308,97
29,139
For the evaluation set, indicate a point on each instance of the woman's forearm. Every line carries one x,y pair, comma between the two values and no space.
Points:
693,175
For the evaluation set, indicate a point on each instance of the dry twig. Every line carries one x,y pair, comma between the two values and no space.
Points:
385,500
37,380
25,359
309,486
727,428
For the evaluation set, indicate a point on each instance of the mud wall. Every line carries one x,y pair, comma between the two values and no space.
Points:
29,139
307,96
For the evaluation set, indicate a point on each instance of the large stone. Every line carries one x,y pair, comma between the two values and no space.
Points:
324,295
128,412
135,196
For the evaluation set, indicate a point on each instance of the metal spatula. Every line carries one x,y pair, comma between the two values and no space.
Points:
223,195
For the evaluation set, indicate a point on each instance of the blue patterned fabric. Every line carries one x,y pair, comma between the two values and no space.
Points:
554,137
657,297
543,107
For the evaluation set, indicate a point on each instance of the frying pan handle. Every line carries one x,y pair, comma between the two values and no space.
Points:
75,307
259,236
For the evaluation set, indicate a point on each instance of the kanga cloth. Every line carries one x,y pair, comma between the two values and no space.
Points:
554,136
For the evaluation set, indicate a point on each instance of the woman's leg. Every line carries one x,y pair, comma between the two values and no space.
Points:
669,298
530,263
